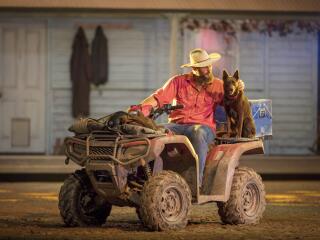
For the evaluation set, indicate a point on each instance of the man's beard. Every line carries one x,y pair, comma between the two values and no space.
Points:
204,79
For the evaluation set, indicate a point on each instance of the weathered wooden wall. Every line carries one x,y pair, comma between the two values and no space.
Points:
280,68
138,64
284,69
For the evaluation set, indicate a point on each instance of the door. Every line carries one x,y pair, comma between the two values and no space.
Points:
22,87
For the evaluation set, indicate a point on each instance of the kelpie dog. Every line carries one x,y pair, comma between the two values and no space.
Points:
238,110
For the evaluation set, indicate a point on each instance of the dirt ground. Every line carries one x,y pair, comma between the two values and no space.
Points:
29,211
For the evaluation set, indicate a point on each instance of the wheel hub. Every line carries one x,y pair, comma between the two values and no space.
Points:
171,204
87,202
251,199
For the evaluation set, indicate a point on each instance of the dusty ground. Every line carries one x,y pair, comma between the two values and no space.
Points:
29,211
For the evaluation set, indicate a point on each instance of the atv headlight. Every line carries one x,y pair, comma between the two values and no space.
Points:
134,150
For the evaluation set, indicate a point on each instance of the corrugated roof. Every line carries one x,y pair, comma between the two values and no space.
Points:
208,5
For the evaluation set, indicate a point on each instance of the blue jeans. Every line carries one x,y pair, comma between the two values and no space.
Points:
200,136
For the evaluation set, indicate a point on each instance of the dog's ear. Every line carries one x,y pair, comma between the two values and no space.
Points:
236,75
225,75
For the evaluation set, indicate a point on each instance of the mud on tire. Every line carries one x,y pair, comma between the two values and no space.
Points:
247,199
138,214
77,202
165,202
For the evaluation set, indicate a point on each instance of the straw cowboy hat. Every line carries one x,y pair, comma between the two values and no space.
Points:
200,58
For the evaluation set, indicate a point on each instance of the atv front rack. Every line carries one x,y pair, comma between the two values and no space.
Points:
100,146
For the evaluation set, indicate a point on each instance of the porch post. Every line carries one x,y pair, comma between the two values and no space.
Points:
317,145
175,30
174,22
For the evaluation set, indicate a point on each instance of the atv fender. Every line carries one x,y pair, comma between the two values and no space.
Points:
177,154
220,166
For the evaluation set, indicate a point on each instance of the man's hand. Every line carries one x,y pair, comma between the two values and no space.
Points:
134,108
241,85
144,109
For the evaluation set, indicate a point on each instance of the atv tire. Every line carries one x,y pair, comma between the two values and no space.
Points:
165,202
247,202
138,214
77,202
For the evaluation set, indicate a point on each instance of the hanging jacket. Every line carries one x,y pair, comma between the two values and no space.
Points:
81,74
99,57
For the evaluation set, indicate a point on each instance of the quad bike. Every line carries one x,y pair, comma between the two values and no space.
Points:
126,163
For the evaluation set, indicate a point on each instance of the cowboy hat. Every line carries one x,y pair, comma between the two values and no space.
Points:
200,58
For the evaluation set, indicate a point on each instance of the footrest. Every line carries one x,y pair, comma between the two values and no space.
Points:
220,140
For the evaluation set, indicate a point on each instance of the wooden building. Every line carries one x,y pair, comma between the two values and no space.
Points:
146,47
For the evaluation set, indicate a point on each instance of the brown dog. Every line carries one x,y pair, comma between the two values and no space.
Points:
238,110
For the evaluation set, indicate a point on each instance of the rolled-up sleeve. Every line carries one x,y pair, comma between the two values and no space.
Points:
167,93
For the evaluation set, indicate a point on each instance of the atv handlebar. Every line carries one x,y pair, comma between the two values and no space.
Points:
170,107
166,108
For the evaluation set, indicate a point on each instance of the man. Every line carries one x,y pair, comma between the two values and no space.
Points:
200,93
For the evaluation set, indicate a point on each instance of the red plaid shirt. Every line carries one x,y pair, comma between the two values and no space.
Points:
199,106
